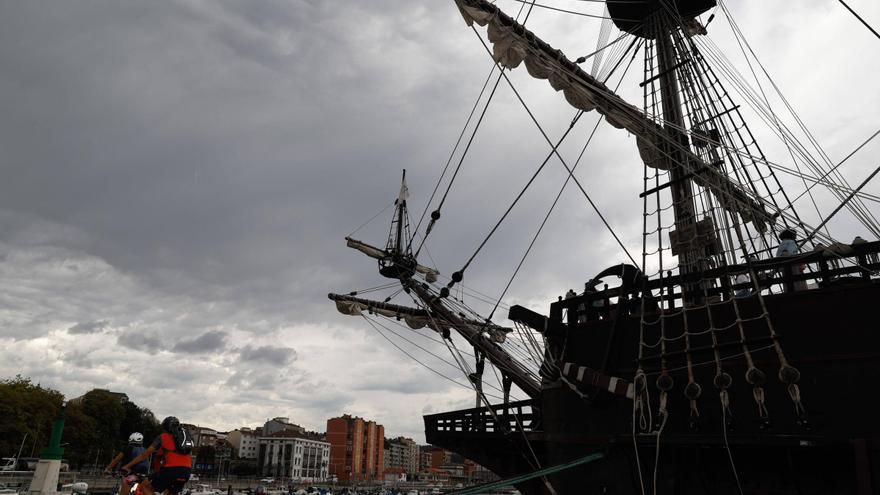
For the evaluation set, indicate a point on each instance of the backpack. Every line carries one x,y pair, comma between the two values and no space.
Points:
183,442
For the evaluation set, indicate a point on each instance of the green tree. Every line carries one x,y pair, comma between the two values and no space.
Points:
97,425
26,409
108,411
80,434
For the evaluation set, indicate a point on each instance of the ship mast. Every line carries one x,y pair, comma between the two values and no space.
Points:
397,261
680,184
401,215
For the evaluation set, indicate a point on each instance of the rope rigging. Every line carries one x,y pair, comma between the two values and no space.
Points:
558,195
845,201
564,11
858,209
853,12
435,215
841,162
451,156
532,460
457,276
776,121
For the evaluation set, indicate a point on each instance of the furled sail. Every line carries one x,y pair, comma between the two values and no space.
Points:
380,254
513,44
413,317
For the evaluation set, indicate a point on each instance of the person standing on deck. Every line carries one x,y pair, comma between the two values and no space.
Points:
788,247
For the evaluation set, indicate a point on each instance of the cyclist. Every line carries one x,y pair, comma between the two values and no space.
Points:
134,448
176,466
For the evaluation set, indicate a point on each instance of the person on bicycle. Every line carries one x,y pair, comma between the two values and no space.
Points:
176,466
134,448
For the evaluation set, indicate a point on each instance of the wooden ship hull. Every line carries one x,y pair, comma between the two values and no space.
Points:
831,333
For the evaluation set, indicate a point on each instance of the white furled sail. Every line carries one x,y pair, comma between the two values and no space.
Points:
513,44
380,254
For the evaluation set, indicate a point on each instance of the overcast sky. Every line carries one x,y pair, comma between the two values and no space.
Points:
178,178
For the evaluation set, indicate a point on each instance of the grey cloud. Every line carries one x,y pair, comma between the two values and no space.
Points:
207,342
265,379
138,340
273,355
89,327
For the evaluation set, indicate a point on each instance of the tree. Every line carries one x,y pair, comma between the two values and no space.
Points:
81,435
26,409
108,411
97,425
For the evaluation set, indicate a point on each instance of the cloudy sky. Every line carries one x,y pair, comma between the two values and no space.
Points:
178,178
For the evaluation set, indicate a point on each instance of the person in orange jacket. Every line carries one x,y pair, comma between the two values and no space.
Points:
176,466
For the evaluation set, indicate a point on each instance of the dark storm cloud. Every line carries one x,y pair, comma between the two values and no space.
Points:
207,342
88,327
272,355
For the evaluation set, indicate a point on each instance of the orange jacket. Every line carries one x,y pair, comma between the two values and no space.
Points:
172,458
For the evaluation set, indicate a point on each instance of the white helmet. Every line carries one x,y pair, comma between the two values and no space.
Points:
135,438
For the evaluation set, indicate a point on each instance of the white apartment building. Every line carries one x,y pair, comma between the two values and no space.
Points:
245,441
395,456
290,454
403,453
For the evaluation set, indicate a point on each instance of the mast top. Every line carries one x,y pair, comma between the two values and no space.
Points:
631,16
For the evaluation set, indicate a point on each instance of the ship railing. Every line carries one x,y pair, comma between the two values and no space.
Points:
499,419
810,270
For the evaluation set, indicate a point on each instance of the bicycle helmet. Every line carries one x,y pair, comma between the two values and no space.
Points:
135,438
170,424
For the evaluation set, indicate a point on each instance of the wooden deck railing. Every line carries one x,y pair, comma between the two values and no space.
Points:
501,420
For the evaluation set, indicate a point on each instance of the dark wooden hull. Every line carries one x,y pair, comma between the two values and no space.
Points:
831,335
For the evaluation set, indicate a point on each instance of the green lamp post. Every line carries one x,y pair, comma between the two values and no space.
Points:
54,450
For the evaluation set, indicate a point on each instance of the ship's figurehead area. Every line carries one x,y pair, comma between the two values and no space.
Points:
632,15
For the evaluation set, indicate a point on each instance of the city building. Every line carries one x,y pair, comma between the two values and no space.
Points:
203,436
294,455
356,449
394,455
402,453
437,457
275,425
245,442
425,457
117,395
